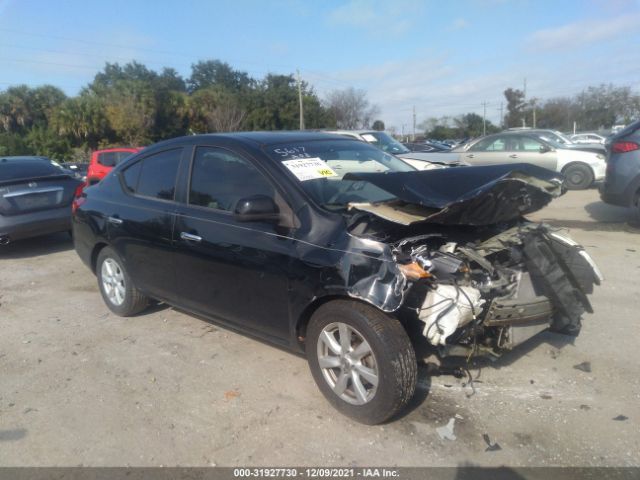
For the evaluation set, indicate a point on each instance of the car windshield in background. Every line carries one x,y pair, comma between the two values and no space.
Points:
27,168
321,165
552,141
385,142
555,137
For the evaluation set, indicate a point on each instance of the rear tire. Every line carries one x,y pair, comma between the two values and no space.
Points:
635,205
578,176
362,360
116,287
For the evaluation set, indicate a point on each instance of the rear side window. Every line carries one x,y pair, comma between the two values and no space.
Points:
155,175
220,178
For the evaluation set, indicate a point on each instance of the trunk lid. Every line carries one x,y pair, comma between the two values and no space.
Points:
21,196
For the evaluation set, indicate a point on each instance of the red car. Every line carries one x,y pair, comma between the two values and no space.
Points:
102,161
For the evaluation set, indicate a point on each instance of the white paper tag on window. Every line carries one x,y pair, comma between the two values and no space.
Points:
309,168
369,138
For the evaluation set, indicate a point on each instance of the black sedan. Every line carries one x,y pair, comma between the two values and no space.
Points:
35,197
327,245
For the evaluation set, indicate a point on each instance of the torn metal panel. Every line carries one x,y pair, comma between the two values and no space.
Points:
468,196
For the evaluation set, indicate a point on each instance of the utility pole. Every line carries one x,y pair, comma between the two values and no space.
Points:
533,104
300,100
484,118
501,116
413,137
525,89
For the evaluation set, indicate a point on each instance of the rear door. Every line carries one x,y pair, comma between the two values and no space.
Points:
141,222
237,271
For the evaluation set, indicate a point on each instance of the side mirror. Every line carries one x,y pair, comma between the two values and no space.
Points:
257,208
544,148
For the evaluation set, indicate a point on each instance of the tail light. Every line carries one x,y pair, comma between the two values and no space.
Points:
624,147
78,198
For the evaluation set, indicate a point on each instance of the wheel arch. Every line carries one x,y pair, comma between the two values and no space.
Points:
305,317
94,255
577,162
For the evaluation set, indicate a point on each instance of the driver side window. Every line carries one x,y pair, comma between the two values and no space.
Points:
220,178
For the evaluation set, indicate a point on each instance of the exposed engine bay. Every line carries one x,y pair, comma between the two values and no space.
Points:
489,295
477,277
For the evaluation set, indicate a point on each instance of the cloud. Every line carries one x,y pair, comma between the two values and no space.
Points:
395,17
459,24
583,33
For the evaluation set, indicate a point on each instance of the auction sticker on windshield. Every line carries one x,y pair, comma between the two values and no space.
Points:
309,168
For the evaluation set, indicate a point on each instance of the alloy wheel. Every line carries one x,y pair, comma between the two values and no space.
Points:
113,281
347,363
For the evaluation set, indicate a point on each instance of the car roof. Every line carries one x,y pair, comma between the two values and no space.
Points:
259,139
24,157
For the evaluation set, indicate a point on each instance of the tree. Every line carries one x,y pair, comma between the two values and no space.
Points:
215,109
378,125
82,120
211,73
350,108
22,107
515,107
471,125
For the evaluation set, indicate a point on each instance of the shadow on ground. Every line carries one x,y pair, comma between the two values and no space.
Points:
603,218
37,246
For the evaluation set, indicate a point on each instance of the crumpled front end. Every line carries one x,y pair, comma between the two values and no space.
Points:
488,295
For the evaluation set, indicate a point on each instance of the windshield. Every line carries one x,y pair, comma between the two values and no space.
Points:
320,166
555,137
385,142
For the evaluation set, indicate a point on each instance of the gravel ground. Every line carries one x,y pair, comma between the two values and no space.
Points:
79,386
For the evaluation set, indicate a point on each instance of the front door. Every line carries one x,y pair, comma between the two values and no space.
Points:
237,271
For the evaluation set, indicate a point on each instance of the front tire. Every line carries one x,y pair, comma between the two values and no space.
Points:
116,287
362,360
578,176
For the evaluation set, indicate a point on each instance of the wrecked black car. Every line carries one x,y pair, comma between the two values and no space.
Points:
331,247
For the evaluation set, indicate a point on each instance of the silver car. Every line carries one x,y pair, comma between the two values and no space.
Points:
580,168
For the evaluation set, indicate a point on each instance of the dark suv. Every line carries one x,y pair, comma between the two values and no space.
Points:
622,182
329,246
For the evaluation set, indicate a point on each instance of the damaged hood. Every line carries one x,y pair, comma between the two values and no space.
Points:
462,196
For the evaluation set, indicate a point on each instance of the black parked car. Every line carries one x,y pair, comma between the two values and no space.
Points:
325,244
79,169
622,181
35,197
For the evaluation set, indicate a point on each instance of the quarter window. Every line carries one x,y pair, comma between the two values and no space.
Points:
220,178
131,175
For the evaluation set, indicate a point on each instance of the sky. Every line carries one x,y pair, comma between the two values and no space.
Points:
443,58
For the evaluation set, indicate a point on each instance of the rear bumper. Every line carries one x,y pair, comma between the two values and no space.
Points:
34,224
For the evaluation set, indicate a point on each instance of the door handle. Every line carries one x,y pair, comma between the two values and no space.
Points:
189,237
470,155
513,155
115,220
